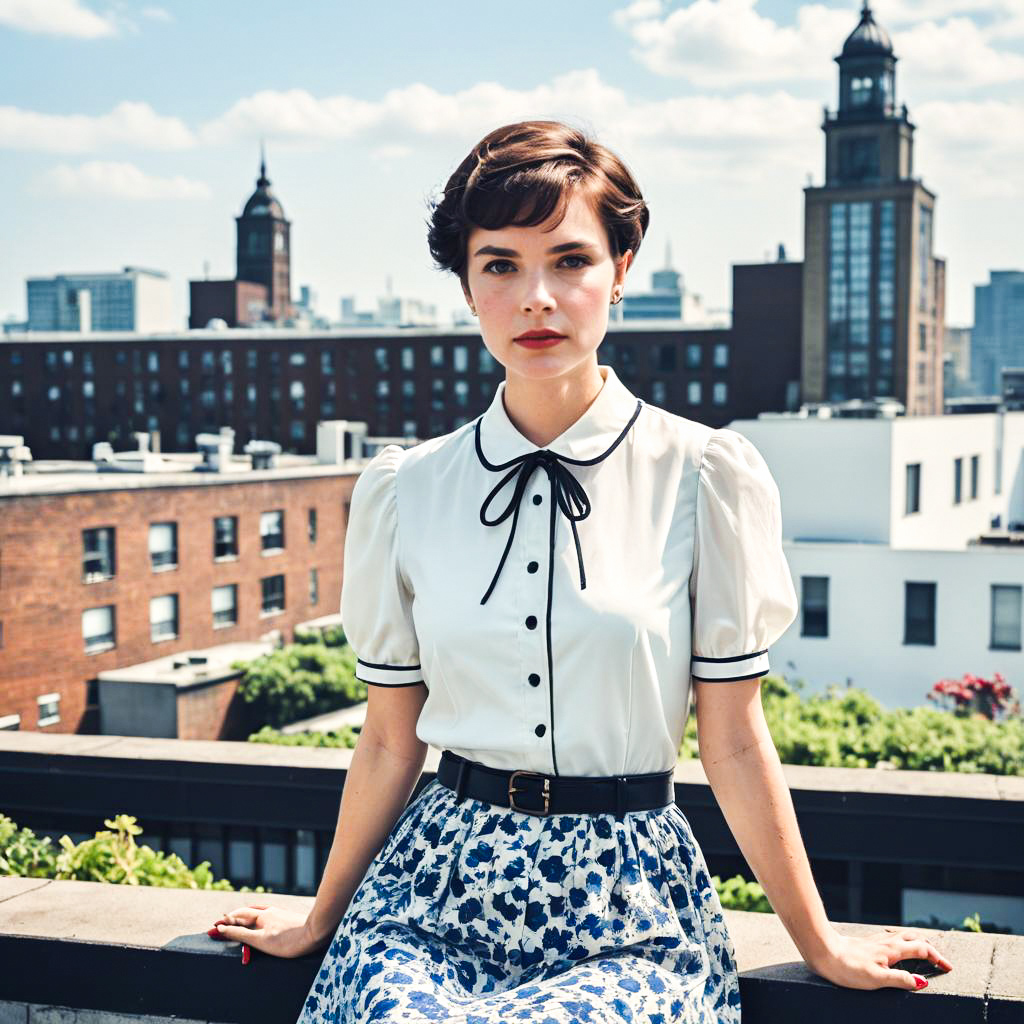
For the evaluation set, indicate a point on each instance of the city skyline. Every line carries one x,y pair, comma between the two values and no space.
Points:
716,106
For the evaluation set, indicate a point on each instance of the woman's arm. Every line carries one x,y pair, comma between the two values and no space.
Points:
386,764
745,774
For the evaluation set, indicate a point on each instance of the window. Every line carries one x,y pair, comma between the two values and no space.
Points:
663,358
381,355
297,359
487,363
273,594
49,709
692,356
272,530
919,614
460,355
314,586
974,476
814,602
958,479
163,617
462,393
98,554
408,358
10,723
1006,608
437,355
225,537
659,392
98,630
311,525
721,356
163,545
913,499
718,392
693,392
224,602
153,362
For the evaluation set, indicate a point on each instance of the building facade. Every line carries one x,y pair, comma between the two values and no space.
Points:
997,340
277,384
905,538
874,293
135,299
103,572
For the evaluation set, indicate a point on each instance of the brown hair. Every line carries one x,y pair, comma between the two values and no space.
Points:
522,173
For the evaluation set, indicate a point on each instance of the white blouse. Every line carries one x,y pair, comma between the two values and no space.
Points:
557,601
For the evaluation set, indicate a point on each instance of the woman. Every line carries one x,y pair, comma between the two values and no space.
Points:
533,594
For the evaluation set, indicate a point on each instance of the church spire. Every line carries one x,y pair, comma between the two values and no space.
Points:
263,181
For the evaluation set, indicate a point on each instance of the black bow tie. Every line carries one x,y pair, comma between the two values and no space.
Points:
566,492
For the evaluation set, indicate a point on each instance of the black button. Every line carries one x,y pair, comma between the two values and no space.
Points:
540,729
534,679
532,567
537,499
531,621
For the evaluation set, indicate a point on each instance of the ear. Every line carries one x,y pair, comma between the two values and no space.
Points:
622,266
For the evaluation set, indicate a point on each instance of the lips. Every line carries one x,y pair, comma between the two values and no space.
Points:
539,335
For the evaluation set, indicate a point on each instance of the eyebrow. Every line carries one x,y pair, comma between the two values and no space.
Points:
494,250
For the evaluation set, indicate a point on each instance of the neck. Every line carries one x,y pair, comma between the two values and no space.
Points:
542,410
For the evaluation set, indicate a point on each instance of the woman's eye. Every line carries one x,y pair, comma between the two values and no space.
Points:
583,262
496,263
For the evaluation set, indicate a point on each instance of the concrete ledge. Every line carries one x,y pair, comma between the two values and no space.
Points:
111,949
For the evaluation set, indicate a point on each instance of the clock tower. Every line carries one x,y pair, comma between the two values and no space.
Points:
264,252
874,293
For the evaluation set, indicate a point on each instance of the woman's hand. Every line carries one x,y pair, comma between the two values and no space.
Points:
864,961
273,930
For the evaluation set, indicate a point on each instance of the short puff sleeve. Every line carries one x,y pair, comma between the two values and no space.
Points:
376,601
741,589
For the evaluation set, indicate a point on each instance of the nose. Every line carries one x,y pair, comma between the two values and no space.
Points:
537,296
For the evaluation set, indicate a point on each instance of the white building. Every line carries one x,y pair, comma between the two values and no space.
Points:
134,299
896,534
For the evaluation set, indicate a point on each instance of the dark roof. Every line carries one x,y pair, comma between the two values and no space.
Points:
868,37
263,202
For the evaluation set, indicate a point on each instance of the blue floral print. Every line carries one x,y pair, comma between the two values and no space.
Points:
478,914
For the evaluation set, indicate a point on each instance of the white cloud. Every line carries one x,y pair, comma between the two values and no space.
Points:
727,43
128,124
55,17
117,180
156,14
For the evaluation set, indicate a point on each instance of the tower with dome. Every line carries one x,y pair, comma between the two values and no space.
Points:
874,292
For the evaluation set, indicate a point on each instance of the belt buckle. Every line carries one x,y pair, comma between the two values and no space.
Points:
545,792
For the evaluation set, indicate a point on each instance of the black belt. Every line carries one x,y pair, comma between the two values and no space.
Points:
540,794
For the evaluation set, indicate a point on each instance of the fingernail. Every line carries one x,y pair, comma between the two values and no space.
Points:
246,953
221,927
213,933
919,981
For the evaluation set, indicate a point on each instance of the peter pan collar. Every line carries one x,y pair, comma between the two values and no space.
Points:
590,438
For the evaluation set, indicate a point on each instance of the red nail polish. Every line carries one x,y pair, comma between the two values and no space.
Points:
920,982
247,952
213,933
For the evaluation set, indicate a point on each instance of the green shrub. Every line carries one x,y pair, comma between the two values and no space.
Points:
110,856
848,728
345,737
738,894
329,636
301,680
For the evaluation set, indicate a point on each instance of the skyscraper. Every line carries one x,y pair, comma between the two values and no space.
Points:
998,336
874,293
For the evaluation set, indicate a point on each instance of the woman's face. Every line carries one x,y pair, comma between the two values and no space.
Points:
524,279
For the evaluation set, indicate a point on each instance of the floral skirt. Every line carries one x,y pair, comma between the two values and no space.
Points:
477,913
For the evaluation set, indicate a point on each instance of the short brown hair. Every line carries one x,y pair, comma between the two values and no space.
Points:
522,173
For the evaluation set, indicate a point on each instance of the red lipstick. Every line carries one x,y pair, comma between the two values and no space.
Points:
540,338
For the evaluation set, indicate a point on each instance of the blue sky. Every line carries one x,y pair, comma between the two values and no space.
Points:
129,133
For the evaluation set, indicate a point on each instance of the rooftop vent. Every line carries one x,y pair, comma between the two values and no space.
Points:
13,455
263,453
216,450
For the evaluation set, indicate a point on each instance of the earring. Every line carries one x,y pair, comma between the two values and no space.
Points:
616,298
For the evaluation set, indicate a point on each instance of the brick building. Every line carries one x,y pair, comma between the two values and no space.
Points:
106,570
63,393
